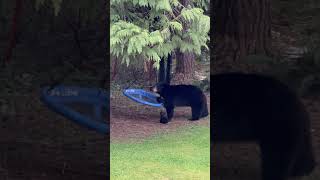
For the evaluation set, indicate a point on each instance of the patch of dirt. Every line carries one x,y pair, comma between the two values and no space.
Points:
242,160
133,121
38,144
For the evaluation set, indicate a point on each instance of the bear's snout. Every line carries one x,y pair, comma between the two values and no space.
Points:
154,89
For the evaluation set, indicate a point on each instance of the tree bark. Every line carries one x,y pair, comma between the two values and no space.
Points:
105,22
162,71
242,27
150,71
168,70
185,61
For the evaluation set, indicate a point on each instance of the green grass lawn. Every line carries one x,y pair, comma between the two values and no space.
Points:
184,155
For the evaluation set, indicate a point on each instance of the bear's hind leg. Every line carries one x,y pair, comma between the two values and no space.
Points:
305,160
196,112
276,160
204,112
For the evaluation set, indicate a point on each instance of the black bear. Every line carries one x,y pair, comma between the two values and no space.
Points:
252,107
181,95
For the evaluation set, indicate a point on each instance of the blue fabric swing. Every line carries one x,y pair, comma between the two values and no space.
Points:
143,97
65,100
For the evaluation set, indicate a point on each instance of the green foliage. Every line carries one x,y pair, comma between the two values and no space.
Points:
129,40
205,4
152,29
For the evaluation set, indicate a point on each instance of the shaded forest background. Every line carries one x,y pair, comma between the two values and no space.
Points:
293,55
68,46
72,45
286,46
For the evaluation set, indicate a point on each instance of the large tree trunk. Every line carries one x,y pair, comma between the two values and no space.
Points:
185,61
150,71
242,27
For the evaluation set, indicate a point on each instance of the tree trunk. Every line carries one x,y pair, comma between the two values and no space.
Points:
114,68
242,27
105,80
162,71
168,70
185,61
150,71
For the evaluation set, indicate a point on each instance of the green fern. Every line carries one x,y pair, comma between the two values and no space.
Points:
149,30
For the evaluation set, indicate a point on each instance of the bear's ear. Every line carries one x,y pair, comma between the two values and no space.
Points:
162,85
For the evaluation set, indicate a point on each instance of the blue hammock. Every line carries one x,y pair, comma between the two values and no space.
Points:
85,106
143,97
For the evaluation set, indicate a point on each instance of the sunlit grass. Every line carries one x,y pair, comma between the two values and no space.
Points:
181,155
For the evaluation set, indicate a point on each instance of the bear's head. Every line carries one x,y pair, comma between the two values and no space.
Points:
159,87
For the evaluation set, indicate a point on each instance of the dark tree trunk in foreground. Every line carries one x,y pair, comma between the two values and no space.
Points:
241,28
168,70
165,70
162,71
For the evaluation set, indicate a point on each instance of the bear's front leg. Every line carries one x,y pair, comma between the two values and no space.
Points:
163,117
170,111
160,100
166,116
277,159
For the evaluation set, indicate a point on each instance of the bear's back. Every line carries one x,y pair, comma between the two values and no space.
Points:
182,95
245,105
